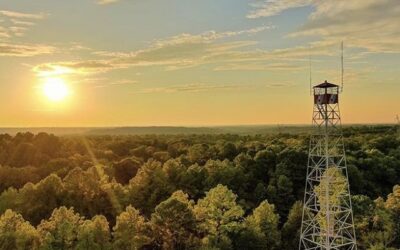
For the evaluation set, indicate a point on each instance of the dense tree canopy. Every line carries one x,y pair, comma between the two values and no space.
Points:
184,191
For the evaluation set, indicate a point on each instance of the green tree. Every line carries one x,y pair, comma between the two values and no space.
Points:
265,164
260,192
175,172
149,187
226,150
333,181
376,229
24,154
16,233
280,193
94,234
199,153
193,181
393,204
84,192
126,169
292,163
291,228
60,231
226,173
219,217
131,231
34,201
260,229
40,200
175,222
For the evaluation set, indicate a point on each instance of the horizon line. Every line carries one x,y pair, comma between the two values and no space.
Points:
189,126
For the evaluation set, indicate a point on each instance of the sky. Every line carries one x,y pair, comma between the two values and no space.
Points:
195,62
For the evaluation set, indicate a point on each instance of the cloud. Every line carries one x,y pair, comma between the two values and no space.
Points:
191,50
280,85
176,52
105,2
268,8
14,14
15,24
66,68
195,87
208,36
20,50
369,24
257,66
372,25
187,50
123,82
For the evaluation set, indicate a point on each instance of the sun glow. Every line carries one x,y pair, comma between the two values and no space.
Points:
55,89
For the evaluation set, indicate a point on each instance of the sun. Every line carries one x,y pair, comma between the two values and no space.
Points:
55,89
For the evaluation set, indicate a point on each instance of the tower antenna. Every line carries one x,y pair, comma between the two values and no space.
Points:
309,61
342,64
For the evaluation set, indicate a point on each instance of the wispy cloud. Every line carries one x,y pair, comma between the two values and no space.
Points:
191,50
22,15
65,68
208,36
268,8
258,66
17,23
123,82
372,25
24,50
280,85
195,87
177,52
105,2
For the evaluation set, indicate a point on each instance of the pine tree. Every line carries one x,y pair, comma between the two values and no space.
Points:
16,233
219,217
60,231
131,231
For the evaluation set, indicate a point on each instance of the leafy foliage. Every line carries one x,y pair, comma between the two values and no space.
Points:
218,191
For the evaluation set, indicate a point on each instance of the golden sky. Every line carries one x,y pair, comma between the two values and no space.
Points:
190,62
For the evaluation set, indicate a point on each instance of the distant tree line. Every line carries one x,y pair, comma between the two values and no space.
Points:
184,191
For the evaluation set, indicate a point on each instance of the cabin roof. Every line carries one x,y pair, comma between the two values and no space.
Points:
325,85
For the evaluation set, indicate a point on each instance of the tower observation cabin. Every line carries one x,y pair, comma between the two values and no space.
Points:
326,93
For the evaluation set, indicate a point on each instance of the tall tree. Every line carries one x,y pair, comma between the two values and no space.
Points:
219,217
175,222
376,229
47,195
94,234
126,169
16,233
280,193
291,228
60,231
131,231
149,187
393,204
260,229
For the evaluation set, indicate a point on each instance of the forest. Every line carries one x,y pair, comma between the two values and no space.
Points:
203,191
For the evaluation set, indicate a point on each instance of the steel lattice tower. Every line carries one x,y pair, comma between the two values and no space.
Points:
327,221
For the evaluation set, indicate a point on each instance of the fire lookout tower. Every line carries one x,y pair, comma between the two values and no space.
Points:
327,221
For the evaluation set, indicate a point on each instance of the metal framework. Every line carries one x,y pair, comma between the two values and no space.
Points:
327,221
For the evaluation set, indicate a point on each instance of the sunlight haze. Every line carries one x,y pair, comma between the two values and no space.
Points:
187,62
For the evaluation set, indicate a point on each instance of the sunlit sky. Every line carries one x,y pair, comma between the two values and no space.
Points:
194,62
